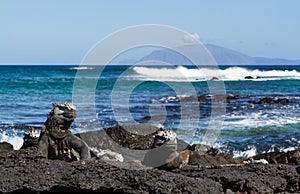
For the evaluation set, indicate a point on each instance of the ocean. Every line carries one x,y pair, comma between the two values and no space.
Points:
161,96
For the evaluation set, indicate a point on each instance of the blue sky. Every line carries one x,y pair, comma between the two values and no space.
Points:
62,31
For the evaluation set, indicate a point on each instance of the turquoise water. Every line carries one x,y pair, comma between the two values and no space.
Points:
156,96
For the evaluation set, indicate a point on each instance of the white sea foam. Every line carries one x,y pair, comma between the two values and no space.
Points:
82,68
232,73
260,119
168,74
287,149
251,151
15,140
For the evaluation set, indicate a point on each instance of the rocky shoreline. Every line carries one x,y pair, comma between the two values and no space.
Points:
26,171
23,171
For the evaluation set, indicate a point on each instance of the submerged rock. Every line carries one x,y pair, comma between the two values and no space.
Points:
211,97
214,78
269,100
249,77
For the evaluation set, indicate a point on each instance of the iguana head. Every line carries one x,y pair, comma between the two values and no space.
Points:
31,137
32,133
60,118
164,137
65,111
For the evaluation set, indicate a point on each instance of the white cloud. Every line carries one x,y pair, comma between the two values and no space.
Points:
191,37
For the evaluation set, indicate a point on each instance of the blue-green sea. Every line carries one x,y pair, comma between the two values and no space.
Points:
161,96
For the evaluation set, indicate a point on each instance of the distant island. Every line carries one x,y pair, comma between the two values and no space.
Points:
223,56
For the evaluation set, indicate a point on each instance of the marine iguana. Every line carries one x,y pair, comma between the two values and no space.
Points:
164,153
31,138
56,140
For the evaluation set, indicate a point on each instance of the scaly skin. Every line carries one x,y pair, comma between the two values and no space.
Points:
164,153
56,140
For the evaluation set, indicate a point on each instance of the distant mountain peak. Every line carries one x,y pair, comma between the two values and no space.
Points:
222,56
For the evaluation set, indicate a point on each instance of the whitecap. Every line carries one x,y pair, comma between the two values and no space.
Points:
182,73
82,68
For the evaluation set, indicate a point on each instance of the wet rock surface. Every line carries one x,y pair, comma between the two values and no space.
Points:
289,157
249,77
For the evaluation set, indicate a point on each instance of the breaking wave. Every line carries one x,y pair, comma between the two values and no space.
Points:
12,138
182,73
82,68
